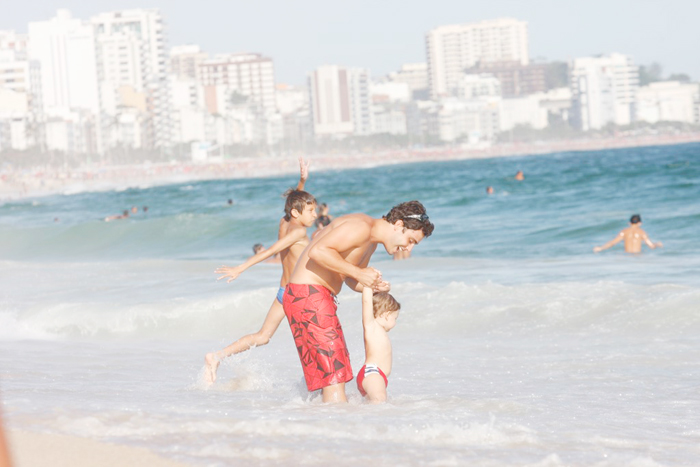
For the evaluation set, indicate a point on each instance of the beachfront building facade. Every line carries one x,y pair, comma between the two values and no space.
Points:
516,78
452,49
668,101
604,90
20,94
133,84
185,61
415,75
243,77
339,99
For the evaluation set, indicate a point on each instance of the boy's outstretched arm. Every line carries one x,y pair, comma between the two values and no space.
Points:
612,242
303,172
285,242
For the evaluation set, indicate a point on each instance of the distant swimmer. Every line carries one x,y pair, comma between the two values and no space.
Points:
123,215
323,211
379,314
299,214
401,254
489,190
321,222
633,237
134,209
230,202
258,248
520,175
145,209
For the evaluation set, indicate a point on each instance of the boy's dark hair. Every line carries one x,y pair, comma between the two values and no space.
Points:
413,215
635,219
296,199
256,248
323,220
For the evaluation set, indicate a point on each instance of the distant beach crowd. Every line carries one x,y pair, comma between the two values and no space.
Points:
16,184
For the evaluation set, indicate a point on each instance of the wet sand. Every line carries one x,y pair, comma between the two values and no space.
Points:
37,450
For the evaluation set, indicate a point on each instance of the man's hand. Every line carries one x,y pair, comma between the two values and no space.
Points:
382,286
369,277
597,249
231,273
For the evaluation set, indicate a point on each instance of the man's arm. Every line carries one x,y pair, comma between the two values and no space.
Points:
285,242
350,235
651,244
612,242
303,173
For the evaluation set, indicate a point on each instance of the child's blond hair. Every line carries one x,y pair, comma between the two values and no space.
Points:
384,302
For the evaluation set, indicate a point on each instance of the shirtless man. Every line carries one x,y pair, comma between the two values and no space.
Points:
300,213
633,237
341,253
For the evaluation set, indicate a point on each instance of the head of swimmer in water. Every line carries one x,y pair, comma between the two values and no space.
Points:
411,224
386,310
636,219
301,206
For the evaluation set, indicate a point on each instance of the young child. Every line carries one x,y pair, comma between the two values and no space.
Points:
299,214
379,314
633,236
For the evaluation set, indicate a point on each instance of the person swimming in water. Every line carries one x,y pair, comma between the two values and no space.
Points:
633,237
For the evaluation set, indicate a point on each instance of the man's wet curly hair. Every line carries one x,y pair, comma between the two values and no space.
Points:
413,215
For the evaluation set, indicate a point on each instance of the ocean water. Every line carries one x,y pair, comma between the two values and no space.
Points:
516,346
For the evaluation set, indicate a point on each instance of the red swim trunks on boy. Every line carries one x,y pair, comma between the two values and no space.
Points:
310,310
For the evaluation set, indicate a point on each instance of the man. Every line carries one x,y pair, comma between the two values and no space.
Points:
633,237
340,253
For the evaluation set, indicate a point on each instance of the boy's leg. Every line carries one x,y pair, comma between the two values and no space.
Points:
375,388
334,393
272,321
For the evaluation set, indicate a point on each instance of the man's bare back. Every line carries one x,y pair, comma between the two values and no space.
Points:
633,236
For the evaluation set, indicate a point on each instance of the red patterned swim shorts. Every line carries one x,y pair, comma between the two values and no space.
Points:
310,310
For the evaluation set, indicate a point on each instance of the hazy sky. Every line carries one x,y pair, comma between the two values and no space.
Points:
382,34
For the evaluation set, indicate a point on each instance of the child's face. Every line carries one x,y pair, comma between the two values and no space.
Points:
308,216
388,320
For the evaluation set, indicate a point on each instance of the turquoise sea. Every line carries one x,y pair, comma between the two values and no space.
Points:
517,345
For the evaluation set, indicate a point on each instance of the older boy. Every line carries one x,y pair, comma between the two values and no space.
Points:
300,213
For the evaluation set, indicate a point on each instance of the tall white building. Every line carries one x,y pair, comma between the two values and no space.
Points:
244,76
669,101
185,61
65,48
451,49
132,70
340,101
413,74
20,94
604,89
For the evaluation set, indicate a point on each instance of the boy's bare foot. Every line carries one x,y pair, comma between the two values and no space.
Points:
211,363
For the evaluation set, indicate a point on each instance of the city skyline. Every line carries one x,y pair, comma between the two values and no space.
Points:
382,37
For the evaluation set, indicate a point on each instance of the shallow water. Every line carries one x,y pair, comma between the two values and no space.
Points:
516,344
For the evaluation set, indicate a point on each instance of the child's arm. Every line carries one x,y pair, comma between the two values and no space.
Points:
367,307
612,242
285,242
303,173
